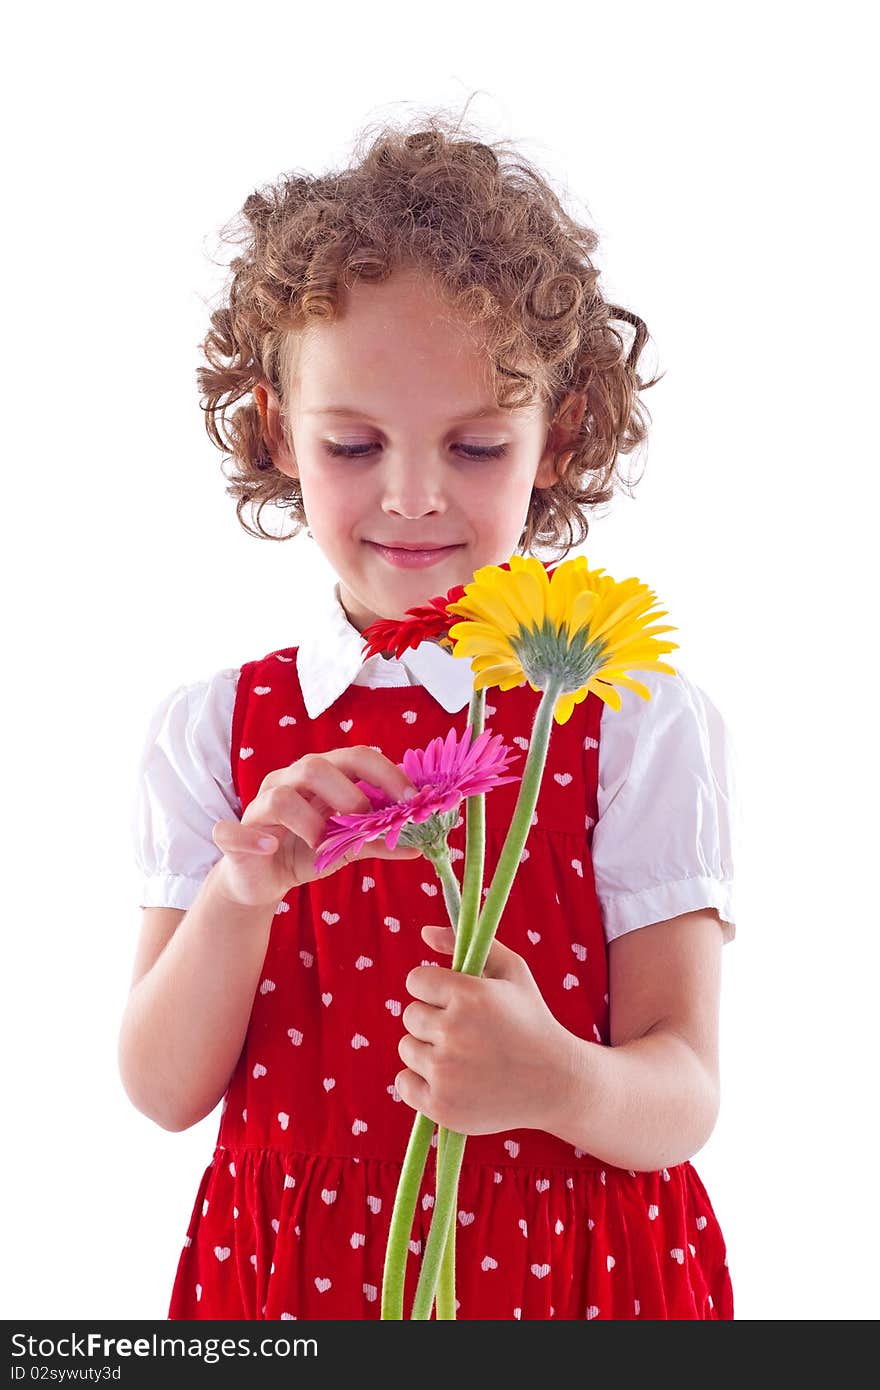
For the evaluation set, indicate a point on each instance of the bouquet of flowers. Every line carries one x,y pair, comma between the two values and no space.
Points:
566,630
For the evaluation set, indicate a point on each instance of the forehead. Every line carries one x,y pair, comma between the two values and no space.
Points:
395,341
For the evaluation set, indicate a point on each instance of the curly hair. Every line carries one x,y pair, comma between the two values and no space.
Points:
484,224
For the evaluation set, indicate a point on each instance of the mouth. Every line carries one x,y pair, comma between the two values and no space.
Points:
413,556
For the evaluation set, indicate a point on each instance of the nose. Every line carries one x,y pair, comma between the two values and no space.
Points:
413,490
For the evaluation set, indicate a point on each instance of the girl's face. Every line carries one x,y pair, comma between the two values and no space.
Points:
392,447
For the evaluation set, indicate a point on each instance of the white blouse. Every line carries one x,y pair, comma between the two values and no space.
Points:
668,810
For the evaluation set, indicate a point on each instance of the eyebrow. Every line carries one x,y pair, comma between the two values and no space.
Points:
477,414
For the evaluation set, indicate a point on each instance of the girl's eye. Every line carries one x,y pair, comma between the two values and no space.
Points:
489,451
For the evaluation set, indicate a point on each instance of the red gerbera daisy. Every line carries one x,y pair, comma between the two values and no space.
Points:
425,622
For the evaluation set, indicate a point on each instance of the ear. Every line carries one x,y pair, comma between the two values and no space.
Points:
269,406
563,431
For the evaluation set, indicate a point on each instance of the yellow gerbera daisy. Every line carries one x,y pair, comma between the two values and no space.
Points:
575,627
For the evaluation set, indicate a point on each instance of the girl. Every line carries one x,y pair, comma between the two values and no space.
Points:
431,380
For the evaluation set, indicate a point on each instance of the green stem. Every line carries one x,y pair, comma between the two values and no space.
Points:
446,1279
472,883
477,951
442,1218
451,895
405,1199
517,834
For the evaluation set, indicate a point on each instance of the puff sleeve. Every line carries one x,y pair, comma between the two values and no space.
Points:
183,787
668,815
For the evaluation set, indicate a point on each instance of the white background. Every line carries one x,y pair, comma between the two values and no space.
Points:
723,154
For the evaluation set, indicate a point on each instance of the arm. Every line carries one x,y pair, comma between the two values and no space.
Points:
186,1018
650,1100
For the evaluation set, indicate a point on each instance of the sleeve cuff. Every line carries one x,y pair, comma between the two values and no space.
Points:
628,911
170,890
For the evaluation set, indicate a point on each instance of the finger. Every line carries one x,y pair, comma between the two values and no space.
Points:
433,986
422,1021
413,1090
234,838
377,849
372,766
417,1055
284,807
441,938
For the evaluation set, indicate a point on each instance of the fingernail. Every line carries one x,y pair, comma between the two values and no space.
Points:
409,793
266,842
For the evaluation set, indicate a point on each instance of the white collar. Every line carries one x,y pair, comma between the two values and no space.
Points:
330,656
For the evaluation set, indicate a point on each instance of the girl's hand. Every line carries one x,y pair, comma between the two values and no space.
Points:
292,808
483,1053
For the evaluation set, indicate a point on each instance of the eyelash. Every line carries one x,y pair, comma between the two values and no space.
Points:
474,452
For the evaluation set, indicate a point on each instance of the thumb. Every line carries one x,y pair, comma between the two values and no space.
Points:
441,938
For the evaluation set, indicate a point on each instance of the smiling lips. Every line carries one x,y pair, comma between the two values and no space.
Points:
412,557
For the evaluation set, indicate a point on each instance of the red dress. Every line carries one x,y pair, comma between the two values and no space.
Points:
292,1214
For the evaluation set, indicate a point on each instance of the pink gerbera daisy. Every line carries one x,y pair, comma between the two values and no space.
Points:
445,772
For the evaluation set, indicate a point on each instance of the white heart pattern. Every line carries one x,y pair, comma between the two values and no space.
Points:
359,1127
393,1006
357,1239
592,1311
563,778
540,1271
283,1119
512,1147
345,725
367,883
488,1263
392,924
359,1041
427,1201
289,1180
307,959
534,937
326,998
246,752
329,1083
701,1223
328,1195
266,986
578,867
363,963
285,720
429,888
222,1252
262,689
581,952
198,1293
570,981
330,917
542,1184
523,1225
371,1293
375,1204
259,1070
275,1224
410,716
610,1263
559,1227
322,1285
465,1217
416,1247
520,741
295,1036
677,1255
